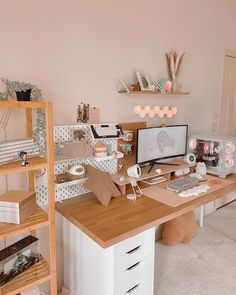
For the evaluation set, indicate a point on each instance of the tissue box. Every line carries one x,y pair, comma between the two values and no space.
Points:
17,258
16,206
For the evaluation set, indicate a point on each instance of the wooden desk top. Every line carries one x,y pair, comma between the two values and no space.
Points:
124,218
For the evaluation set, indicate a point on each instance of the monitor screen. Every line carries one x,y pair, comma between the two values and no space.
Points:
157,143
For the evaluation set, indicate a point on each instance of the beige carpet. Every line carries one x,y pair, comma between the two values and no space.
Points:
207,266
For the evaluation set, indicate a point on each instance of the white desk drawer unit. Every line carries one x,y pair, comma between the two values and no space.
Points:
134,277
133,256
134,264
127,268
133,242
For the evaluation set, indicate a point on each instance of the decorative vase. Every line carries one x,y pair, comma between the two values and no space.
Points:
174,86
23,95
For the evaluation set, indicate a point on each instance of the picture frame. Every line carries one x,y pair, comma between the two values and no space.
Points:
144,81
122,87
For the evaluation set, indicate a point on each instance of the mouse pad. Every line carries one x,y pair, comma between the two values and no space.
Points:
172,199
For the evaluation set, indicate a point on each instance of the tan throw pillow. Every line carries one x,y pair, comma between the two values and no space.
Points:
101,184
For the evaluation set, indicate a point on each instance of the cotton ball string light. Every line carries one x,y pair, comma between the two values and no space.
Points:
161,114
165,109
156,109
152,114
169,114
174,110
147,109
137,109
142,114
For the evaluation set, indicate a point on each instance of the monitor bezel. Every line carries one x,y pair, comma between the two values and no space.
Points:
162,158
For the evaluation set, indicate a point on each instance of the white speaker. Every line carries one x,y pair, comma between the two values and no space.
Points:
134,171
190,158
201,168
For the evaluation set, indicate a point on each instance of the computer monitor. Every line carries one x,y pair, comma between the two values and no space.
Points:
158,143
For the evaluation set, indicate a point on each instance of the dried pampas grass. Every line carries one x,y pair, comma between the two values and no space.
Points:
174,63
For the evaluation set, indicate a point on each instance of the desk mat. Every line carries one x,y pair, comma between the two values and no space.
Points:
172,199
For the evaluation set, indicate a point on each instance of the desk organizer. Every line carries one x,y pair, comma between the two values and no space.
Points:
72,153
72,150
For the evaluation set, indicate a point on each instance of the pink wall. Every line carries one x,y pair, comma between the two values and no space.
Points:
76,50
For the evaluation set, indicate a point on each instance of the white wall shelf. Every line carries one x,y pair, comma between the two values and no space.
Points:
69,183
155,92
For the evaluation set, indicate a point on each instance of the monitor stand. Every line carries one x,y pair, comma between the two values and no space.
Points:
161,163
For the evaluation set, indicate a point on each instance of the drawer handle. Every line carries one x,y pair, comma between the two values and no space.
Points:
134,266
133,250
132,289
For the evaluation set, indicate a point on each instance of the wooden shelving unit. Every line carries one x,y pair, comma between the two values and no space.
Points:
23,104
42,271
15,167
97,159
156,93
37,220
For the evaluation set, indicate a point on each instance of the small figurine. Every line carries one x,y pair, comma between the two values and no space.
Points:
23,156
83,113
79,135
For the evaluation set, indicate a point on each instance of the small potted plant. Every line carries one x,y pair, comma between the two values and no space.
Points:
35,94
23,91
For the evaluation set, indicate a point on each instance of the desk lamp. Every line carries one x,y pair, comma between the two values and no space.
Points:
134,172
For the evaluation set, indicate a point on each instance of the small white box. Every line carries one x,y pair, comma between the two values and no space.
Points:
16,206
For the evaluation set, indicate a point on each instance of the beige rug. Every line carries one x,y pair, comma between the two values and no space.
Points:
207,266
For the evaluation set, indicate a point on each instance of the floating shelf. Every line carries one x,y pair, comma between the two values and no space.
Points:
71,159
156,93
101,159
15,166
38,219
69,183
22,104
35,275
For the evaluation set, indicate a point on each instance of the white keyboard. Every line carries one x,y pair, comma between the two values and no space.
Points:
154,180
182,184
195,191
